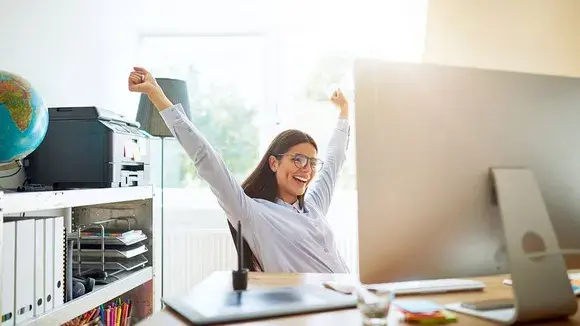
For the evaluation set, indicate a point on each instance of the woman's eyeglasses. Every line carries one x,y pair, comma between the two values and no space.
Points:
301,161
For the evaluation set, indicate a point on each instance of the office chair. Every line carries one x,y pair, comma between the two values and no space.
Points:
248,258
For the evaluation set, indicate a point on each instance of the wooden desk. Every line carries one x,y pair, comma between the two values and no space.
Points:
494,289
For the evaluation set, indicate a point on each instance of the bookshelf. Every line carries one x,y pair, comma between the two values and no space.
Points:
80,207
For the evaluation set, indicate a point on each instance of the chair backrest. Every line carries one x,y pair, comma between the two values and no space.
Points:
248,258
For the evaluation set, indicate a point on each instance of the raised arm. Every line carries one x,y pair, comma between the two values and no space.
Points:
210,166
321,191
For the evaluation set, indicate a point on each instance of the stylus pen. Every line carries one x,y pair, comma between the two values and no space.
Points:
240,276
240,247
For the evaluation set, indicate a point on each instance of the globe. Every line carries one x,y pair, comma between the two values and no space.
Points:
23,118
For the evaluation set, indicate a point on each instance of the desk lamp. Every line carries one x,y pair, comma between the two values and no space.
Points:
147,114
152,122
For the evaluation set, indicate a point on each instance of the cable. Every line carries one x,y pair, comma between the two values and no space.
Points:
13,174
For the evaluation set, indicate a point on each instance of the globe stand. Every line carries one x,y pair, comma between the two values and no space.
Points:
10,180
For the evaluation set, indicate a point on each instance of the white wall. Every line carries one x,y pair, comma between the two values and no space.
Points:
74,52
202,16
538,36
535,36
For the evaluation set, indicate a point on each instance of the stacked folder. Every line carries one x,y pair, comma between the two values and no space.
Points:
33,249
101,255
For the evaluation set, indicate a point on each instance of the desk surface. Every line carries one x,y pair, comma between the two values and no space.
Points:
494,290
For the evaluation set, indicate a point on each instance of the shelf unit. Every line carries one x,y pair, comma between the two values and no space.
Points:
87,205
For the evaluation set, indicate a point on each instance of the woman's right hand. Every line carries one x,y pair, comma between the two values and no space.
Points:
341,103
141,81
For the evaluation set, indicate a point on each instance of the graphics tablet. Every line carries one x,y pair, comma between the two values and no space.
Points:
204,307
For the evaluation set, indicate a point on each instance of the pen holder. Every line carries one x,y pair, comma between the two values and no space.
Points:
240,279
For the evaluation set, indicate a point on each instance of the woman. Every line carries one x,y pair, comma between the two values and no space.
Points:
283,223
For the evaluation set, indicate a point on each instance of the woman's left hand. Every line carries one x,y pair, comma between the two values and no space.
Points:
341,103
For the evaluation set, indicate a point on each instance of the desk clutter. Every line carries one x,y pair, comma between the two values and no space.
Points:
101,250
33,267
380,306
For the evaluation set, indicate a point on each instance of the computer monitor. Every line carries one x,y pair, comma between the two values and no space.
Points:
426,138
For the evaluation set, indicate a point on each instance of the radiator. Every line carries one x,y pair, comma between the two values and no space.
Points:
348,247
189,256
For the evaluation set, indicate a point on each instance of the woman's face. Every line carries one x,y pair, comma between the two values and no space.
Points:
294,170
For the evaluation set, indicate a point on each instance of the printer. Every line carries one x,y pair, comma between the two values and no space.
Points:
90,147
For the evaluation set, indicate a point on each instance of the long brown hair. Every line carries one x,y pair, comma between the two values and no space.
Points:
262,181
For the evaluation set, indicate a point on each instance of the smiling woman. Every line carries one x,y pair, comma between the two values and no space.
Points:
288,231
277,176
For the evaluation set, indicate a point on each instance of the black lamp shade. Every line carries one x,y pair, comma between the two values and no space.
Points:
147,114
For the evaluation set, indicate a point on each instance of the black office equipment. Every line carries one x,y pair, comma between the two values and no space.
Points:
90,147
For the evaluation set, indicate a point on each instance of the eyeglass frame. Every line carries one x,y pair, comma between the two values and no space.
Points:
310,159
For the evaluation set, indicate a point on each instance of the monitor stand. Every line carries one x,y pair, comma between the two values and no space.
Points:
540,281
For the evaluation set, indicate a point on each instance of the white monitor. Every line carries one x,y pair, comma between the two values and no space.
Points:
426,139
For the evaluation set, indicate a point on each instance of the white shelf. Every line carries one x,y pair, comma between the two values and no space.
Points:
19,202
98,296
